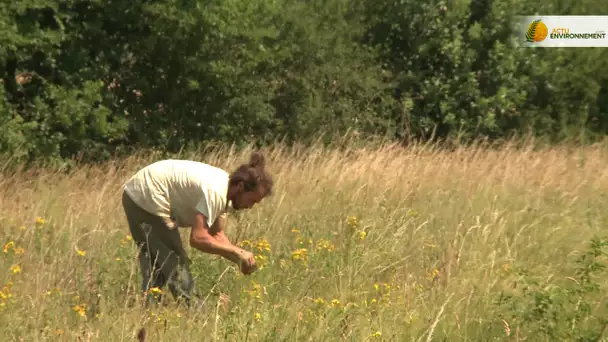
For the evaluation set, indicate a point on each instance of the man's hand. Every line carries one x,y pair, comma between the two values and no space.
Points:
246,259
247,262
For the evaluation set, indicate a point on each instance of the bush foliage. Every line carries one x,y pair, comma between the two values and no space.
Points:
91,78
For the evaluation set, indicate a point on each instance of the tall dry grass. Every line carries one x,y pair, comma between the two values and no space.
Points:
390,243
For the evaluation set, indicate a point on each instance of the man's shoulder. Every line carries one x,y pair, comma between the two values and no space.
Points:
208,176
187,165
180,170
203,170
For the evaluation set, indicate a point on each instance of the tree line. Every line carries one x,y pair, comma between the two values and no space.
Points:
90,79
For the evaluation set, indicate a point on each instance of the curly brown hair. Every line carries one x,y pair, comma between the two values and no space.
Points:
253,174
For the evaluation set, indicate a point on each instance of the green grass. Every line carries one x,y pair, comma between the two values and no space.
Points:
413,244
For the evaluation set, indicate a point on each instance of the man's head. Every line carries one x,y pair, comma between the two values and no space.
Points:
250,183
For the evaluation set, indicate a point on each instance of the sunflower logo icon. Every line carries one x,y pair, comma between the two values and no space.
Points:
537,31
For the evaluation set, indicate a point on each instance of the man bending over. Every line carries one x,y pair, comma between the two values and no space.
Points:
169,194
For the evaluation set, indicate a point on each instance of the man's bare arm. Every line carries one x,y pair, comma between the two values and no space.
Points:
207,240
218,229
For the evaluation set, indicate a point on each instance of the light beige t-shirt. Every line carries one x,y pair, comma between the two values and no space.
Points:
180,188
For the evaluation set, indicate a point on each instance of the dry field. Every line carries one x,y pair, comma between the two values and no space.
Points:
377,243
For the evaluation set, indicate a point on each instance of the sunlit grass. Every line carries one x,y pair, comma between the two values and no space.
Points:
380,243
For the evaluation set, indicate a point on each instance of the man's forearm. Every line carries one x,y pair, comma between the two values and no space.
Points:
221,237
219,247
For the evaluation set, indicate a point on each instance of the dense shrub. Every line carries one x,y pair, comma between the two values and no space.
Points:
89,78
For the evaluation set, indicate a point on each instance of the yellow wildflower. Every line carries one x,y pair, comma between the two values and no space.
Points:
244,243
263,245
335,303
375,334
352,221
16,269
362,235
433,274
40,221
9,245
300,254
256,290
81,252
260,260
155,291
5,293
257,316
319,301
326,245
80,309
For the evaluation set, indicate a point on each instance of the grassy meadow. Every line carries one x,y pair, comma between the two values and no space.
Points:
382,243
